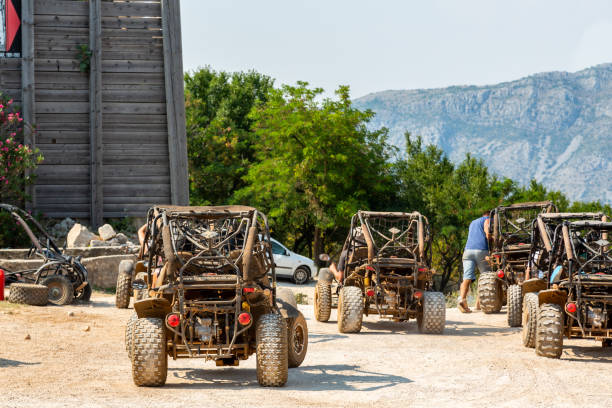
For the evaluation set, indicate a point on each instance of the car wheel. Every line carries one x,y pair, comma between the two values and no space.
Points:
301,275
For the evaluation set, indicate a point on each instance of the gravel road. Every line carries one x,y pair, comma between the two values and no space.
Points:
78,359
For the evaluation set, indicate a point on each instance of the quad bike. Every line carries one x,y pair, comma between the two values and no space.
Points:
211,294
59,280
388,272
577,300
540,258
509,246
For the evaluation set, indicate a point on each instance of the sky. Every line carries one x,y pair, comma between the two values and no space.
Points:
396,44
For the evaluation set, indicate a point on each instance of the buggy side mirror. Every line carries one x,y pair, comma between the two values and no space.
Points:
324,258
139,284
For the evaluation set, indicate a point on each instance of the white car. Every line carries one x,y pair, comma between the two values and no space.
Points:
291,265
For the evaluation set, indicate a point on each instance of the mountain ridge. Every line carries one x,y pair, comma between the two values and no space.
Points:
552,126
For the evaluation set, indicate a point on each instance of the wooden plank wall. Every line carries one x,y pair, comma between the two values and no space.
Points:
134,146
135,129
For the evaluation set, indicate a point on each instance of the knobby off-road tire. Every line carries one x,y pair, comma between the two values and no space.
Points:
149,357
530,319
272,358
432,318
322,301
489,293
61,291
28,294
515,305
549,332
129,330
297,340
350,310
124,289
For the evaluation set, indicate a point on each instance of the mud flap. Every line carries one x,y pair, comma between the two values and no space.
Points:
554,296
286,309
152,307
533,285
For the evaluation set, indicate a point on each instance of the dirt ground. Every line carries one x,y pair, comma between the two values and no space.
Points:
80,361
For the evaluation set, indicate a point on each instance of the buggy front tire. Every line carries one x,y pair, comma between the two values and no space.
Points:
271,355
61,291
350,310
515,305
549,332
149,356
530,319
322,301
124,284
84,295
297,339
489,292
432,318
28,294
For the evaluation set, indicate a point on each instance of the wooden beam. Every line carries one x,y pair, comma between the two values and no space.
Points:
27,81
95,114
175,102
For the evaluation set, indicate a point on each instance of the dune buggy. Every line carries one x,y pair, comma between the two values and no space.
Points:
388,272
211,294
578,300
59,280
540,258
509,246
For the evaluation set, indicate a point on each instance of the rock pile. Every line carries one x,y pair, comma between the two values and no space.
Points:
80,236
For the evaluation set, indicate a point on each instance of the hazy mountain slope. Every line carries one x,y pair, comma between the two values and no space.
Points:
555,127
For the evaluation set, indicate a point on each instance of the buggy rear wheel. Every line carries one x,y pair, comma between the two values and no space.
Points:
297,339
549,332
322,301
515,305
149,357
272,358
61,291
28,294
124,284
432,316
350,310
489,292
530,319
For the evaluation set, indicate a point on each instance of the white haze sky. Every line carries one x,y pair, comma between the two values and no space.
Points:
394,44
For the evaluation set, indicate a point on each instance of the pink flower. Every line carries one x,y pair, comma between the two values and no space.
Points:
9,102
13,134
6,182
20,119
20,145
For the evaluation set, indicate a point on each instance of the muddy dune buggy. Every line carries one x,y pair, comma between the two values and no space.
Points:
211,294
59,280
577,299
388,273
510,238
540,261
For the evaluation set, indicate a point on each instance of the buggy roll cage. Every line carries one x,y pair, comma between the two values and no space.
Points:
504,228
21,216
378,242
213,245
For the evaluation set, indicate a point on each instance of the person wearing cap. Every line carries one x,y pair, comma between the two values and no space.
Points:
474,255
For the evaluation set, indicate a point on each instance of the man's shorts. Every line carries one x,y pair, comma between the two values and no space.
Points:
471,259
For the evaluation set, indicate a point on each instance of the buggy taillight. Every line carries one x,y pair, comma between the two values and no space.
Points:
370,292
370,268
423,269
244,318
570,307
173,320
248,290
500,274
418,294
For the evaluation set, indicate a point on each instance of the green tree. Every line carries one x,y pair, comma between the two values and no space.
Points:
219,134
316,164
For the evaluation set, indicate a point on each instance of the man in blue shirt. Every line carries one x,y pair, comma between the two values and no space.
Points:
474,255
